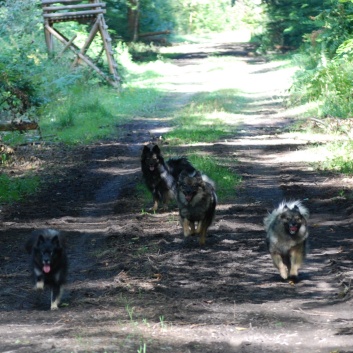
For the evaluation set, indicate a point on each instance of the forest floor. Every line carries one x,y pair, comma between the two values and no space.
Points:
135,285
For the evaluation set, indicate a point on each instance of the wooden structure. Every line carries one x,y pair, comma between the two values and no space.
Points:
81,11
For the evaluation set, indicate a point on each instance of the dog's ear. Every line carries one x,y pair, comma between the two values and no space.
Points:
55,240
283,214
145,149
40,240
156,149
32,241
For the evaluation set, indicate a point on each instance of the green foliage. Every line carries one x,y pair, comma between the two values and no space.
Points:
90,114
184,16
19,25
325,63
341,159
27,78
288,21
16,189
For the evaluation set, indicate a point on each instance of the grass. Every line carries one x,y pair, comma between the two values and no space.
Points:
209,117
16,189
90,115
341,157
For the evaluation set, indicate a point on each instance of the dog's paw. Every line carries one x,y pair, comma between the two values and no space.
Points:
39,285
54,306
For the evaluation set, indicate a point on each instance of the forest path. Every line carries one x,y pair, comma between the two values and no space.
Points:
135,282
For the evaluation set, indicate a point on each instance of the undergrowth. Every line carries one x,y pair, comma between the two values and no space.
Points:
17,189
341,159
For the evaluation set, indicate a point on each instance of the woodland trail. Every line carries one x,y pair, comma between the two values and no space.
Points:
136,286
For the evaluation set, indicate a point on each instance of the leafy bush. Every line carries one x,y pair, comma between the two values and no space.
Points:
19,88
287,22
326,65
16,189
341,158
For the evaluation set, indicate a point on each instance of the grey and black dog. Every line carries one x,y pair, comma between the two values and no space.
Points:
49,264
287,235
197,200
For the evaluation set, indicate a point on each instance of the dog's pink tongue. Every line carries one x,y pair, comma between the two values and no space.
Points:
46,268
152,168
293,229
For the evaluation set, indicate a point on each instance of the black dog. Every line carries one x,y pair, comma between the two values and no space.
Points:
160,176
48,262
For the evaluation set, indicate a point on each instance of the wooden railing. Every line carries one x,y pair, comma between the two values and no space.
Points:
80,11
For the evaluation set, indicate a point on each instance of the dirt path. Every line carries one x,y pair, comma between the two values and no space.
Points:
136,286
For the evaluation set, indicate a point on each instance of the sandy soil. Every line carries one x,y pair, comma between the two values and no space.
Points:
135,285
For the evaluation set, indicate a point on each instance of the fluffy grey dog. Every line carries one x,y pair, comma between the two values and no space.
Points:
197,200
287,234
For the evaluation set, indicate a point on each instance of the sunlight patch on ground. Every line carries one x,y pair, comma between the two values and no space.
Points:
226,72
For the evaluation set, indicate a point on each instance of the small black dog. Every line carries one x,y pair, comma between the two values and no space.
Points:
48,262
160,176
197,200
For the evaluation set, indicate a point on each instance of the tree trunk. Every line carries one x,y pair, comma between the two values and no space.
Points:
133,19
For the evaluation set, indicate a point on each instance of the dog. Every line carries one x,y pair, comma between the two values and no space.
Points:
197,200
49,264
161,176
287,235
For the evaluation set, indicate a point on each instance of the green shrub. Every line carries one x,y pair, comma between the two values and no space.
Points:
16,189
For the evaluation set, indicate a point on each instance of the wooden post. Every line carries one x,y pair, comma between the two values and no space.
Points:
83,57
70,10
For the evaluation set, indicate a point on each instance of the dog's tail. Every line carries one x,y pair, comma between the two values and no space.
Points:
280,209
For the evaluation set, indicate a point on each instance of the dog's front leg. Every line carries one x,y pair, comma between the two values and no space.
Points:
38,279
278,262
188,227
296,259
56,293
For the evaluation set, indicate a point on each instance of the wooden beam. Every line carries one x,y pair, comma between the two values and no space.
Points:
89,40
47,2
72,7
83,57
150,34
58,16
18,125
108,47
69,43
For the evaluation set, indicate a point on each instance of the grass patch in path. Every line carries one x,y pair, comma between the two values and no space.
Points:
209,117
